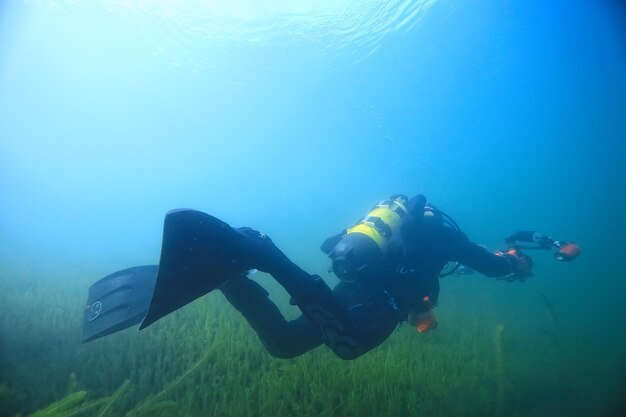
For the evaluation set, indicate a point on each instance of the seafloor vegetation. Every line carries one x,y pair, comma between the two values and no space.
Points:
497,352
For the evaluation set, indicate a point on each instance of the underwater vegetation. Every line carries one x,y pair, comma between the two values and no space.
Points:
204,360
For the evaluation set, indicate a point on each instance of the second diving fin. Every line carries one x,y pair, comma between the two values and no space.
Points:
118,301
199,252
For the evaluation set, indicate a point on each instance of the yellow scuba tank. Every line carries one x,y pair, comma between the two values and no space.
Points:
362,248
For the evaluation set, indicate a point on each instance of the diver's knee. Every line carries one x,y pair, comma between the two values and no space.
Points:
347,355
280,353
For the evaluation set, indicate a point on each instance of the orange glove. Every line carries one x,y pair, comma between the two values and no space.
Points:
425,321
429,322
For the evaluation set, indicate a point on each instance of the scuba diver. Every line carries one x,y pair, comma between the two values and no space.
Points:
389,264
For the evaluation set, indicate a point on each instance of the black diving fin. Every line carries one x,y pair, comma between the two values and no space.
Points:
118,301
199,252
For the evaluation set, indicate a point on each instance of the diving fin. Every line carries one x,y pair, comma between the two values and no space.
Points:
198,253
118,301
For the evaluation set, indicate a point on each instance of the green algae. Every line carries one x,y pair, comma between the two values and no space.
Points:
204,360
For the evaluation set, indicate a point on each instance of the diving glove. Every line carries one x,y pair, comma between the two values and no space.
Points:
521,264
423,322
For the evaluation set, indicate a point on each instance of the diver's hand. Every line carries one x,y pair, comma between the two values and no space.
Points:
424,321
522,265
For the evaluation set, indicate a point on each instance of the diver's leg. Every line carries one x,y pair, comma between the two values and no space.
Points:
282,338
349,332
349,329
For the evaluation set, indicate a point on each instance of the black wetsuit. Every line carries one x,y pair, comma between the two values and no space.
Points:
365,314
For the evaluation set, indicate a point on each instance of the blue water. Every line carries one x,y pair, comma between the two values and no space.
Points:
296,119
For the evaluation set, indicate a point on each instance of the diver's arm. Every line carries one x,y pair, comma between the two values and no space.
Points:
462,250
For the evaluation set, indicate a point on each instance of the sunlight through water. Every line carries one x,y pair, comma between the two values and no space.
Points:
195,30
